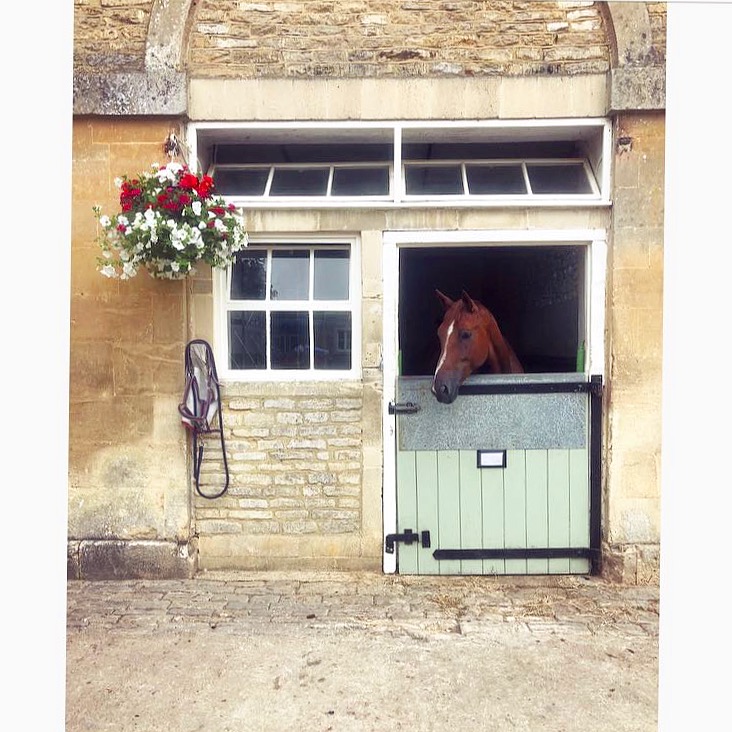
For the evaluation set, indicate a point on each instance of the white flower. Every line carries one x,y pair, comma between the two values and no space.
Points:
123,220
105,221
169,172
108,270
177,238
129,269
201,225
174,266
196,207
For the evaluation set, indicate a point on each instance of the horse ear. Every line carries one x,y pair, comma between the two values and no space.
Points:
444,299
470,305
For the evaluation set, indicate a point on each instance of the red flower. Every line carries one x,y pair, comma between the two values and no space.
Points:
206,186
189,181
129,193
184,199
218,210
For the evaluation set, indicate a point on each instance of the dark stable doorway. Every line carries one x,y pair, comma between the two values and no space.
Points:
536,294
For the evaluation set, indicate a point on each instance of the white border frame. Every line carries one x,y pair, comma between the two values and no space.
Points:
397,130
354,304
596,242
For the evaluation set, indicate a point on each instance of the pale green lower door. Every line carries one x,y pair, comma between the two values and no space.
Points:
529,514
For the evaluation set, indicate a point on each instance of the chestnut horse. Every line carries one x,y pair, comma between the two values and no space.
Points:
469,337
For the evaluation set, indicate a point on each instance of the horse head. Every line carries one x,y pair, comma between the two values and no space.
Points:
469,337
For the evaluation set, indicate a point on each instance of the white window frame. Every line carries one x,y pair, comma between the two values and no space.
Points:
305,198
223,304
527,197
399,133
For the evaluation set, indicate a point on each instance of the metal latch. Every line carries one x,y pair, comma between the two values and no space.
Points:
408,537
403,407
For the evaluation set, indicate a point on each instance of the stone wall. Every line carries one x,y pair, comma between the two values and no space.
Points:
632,504
363,38
295,460
356,38
127,451
295,457
110,35
657,18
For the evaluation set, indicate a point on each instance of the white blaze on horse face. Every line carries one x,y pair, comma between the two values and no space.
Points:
443,355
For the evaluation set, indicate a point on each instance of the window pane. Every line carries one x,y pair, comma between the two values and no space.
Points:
332,340
496,179
299,182
248,276
241,182
290,270
331,274
558,178
247,339
435,179
290,341
360,182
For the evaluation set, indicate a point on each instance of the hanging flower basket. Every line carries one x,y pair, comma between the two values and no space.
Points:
169,221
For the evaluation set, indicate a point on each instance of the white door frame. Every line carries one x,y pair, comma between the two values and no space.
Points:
595,239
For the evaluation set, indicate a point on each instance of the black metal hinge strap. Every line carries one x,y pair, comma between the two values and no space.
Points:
548,553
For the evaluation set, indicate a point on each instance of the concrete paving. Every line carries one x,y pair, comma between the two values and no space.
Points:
358,651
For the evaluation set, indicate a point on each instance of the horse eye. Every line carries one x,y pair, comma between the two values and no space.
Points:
465,334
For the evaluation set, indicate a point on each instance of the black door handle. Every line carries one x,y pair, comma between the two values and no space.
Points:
408,537
403,407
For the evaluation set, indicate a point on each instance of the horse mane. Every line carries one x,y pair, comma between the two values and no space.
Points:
504,355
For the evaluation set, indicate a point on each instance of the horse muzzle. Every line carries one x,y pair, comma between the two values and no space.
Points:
445,390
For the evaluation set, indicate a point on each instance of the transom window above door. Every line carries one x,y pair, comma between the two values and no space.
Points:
556,162
289,309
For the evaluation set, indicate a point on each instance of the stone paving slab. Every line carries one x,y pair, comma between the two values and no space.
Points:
268,597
